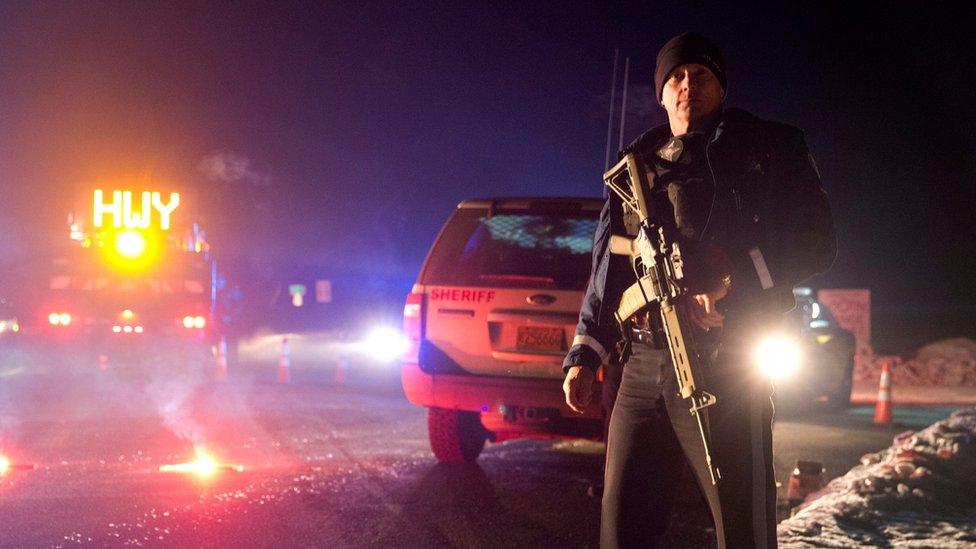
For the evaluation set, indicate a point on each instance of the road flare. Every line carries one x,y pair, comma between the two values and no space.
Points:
6,466
203,466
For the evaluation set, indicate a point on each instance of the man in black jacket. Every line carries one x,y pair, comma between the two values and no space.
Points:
746,198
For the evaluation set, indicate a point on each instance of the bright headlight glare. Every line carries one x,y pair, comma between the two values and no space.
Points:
778,356
187,322
59,319
199,322
386,343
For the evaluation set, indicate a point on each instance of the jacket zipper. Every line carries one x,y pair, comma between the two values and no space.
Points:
711,207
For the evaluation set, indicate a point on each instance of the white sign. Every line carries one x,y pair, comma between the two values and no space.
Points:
323,291
121,210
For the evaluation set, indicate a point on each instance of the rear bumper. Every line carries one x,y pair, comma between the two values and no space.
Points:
490,395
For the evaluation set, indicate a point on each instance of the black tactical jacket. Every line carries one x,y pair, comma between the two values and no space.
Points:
781,216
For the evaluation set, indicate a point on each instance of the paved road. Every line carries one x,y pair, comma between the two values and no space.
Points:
324,465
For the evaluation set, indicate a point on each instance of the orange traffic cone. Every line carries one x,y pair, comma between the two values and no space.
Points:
284,362
882,409
220,355
805,479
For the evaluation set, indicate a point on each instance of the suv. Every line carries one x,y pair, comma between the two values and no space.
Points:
490,319
826,351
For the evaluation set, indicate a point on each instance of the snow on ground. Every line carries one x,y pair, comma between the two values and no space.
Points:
946,362
920,492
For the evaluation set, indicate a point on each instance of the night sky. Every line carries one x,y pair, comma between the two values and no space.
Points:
343,135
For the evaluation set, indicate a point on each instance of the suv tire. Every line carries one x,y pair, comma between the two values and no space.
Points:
841,398
455,435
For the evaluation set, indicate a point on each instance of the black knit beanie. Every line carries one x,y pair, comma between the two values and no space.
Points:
684,49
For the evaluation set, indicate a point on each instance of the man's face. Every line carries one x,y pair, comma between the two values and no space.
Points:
691,93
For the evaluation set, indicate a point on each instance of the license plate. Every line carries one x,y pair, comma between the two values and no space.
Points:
540,338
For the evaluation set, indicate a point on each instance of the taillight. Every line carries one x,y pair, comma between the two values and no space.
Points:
413,325
413,316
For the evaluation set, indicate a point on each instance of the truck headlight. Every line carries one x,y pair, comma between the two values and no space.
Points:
59,319
778,356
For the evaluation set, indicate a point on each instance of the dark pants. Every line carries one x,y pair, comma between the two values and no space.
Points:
652,433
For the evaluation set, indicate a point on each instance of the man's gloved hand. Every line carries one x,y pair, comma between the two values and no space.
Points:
578,387
707,276
706,267
702,309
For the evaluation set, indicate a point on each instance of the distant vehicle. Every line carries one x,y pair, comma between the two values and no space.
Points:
131,271
812,357
490,319
9,323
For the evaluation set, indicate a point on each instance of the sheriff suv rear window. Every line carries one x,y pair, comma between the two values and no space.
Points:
516,249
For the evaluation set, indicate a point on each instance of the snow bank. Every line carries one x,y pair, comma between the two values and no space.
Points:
920,492
946,362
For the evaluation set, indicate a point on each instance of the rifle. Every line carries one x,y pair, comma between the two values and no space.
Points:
656,258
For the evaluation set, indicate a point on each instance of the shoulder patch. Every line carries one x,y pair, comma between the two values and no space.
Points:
671,150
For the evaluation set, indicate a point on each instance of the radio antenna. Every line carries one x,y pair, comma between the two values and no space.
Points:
613,98
623,105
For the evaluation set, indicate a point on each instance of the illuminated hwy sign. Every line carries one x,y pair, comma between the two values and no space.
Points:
123,214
